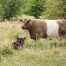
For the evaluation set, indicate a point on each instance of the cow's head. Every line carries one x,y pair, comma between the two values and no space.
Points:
26,23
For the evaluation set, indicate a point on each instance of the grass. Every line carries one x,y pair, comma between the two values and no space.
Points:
43,52
35,57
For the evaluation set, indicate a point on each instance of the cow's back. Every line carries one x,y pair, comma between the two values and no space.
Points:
52,28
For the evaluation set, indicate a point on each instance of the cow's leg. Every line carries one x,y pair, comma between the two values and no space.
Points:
38,36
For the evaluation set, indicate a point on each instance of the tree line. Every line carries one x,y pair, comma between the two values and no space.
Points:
47,9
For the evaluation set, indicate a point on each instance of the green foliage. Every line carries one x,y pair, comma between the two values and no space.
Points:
64,8
53,10
48,9
9,8
13,34
36,8
26,6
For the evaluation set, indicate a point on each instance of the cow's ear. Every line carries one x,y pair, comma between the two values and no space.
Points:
29,20
21,20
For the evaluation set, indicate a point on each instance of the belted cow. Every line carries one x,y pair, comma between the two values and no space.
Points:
38,28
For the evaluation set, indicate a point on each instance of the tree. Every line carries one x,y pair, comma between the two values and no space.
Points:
64,8
10,8
54,9
36,8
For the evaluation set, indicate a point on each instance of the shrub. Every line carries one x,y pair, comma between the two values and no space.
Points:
36,8
9,8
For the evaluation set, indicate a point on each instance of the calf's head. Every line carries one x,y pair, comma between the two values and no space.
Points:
21,40
18,43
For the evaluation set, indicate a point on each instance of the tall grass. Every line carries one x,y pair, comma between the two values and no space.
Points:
6,50
43,52
45,43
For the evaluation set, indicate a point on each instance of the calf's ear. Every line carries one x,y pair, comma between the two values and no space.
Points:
17,38
24,38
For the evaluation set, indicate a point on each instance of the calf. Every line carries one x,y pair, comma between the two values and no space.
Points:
18,43
45,28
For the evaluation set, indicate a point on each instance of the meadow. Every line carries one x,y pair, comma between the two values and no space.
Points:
43,52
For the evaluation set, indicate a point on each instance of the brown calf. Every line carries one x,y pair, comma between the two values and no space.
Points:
18,43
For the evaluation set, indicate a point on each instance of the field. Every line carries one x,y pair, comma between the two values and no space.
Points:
43,52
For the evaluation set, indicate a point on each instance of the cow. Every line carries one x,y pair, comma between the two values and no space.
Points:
39,28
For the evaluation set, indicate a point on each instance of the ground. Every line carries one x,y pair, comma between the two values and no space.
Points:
43,52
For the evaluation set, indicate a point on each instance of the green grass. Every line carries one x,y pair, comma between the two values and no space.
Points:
35,57
43,52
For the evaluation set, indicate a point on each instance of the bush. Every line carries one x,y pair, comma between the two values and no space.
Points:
9,8
54,9
36,8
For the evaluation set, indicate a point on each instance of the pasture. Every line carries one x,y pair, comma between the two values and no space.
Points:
43,52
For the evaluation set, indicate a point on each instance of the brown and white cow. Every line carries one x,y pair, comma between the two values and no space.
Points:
45,28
